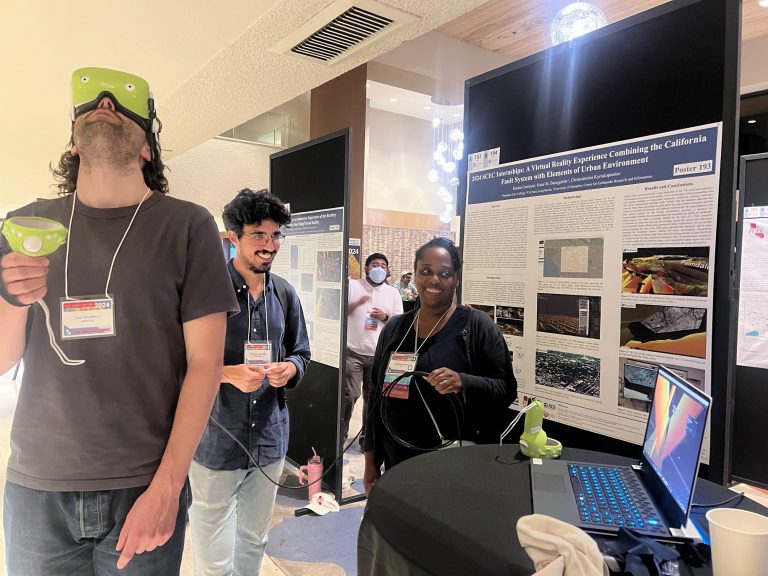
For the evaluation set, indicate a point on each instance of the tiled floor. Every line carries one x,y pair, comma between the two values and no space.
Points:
270,567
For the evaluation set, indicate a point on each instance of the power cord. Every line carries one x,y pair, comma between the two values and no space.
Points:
451,399
379,401
256,464
516,419
736,498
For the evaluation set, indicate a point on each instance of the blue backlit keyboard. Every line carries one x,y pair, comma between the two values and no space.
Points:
612,498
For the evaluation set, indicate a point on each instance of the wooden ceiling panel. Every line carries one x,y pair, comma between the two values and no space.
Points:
519,28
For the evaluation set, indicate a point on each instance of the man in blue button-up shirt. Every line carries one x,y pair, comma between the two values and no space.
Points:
266,351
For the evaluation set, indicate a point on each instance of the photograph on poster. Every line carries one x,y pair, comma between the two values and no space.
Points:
329,266
489,310
637,379
573,258
307,282
510,320
567,371
672,271
328,303
567,314
667,329
294,264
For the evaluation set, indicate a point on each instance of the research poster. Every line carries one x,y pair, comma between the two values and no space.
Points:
597,266
312,260
752,345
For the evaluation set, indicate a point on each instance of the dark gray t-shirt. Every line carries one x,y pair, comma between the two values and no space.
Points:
104,425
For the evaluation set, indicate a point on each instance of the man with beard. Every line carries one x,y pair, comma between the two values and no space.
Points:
242,452
371,302
101,445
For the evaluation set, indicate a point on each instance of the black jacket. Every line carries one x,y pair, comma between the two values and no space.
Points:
486,392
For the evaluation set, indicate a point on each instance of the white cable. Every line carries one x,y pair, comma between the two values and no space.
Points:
109,275
437,428
59,352
515,421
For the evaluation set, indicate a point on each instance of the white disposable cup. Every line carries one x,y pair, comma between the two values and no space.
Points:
739,541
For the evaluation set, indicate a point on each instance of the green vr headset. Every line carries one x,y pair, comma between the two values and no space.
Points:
129,93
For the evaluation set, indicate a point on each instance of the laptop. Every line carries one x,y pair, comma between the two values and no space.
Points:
654,497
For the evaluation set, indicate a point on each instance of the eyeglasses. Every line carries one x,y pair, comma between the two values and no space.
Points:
262,237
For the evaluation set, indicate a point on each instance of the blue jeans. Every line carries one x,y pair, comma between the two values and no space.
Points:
229,518
75,534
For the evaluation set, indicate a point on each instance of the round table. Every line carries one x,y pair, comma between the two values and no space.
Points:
454,512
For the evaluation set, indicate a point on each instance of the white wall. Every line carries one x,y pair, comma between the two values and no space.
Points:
399,156
212,173
754,70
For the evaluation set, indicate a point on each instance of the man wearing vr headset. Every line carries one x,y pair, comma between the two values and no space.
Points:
101,446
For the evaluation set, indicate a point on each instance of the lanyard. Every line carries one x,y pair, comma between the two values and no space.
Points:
415,320
111,266
266,311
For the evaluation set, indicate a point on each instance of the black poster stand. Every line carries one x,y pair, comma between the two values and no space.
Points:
750,426
670,68
315,176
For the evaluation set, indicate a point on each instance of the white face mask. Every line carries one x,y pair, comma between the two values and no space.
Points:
377,275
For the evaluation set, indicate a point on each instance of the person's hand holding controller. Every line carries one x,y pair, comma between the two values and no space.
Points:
24,279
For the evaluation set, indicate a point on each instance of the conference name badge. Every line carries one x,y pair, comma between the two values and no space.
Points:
399,363
370,323
257,353
87,317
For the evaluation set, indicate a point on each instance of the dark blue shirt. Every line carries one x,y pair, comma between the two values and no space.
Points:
259,419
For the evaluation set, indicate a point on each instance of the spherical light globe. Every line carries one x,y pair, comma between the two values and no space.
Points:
575,20
433,175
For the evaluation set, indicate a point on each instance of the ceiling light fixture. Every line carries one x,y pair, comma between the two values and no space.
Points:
393,100
754,121
763,3
574,20
447,153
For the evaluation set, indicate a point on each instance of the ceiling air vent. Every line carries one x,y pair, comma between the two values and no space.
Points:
342,28
341,34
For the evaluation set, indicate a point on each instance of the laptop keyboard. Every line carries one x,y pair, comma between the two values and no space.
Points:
613,497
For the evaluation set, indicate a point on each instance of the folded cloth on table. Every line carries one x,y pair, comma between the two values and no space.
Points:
641,556
558,548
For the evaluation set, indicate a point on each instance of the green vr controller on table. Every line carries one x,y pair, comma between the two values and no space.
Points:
34,236
534,442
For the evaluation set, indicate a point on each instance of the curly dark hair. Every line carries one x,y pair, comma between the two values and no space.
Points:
251,207
69,166
444,243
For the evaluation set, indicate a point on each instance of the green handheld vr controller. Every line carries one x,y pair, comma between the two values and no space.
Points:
534,442
34,236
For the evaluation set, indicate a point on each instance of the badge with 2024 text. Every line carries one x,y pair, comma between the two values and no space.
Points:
257,353
399,363
87,317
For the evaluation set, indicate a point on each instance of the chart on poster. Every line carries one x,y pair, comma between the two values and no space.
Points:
311,259
597,266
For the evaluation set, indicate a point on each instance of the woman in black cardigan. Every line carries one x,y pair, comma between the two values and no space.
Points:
469,382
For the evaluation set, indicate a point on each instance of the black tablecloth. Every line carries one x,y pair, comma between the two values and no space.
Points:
454,513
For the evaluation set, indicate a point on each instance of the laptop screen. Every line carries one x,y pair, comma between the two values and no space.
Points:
675,432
